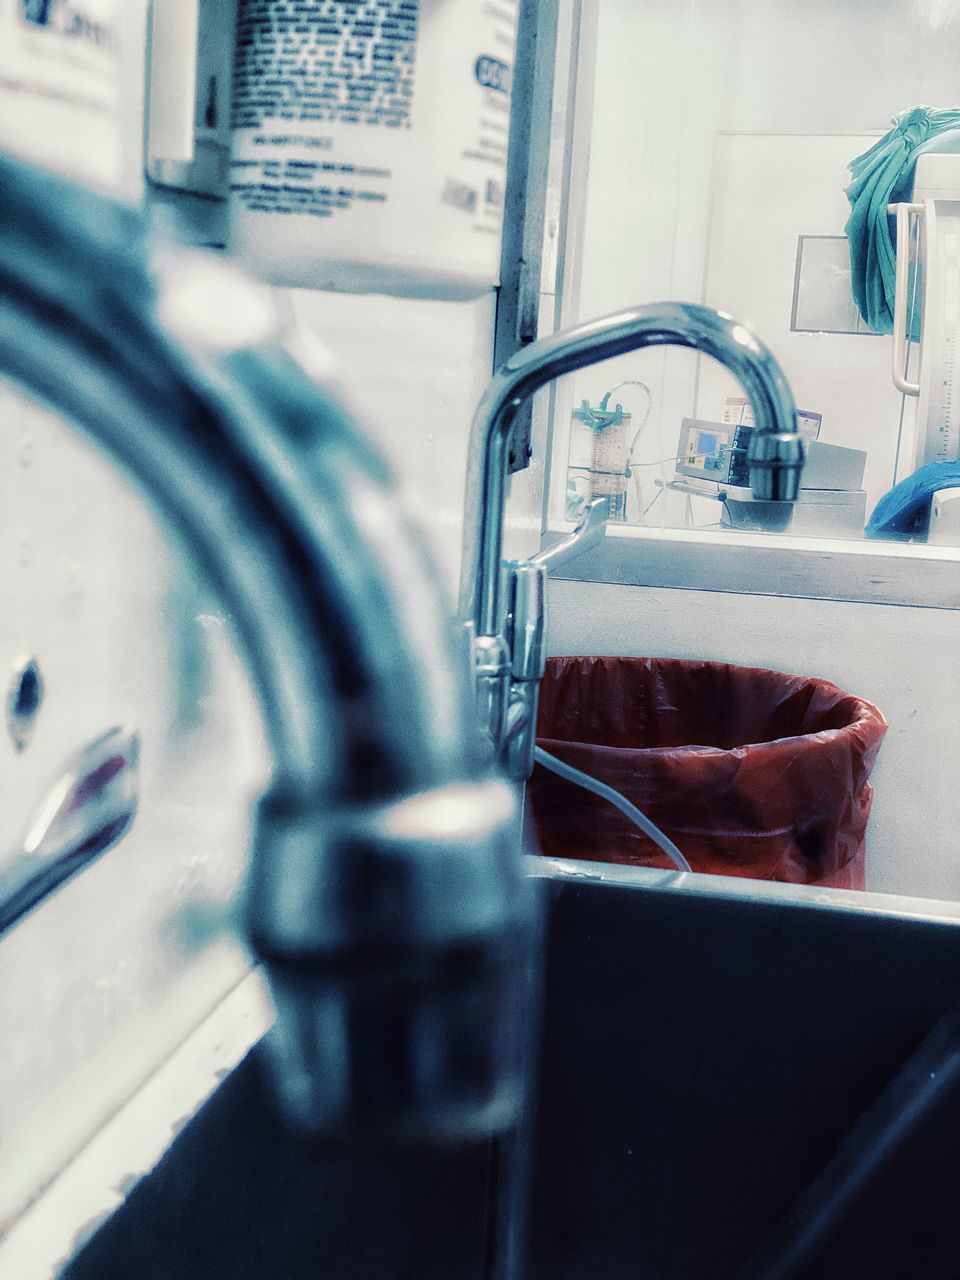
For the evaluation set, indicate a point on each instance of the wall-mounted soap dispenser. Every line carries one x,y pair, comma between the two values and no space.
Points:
191,55
359,147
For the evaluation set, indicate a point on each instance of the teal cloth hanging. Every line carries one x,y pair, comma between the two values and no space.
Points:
881,176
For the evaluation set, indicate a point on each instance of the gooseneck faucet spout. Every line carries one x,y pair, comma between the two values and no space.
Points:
775,459
775,470
386,896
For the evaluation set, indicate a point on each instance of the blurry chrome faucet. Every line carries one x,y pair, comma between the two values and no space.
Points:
385,897
502,605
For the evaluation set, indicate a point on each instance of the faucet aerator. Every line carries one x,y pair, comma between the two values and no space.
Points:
394,941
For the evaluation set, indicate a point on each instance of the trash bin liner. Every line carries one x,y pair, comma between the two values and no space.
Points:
750,772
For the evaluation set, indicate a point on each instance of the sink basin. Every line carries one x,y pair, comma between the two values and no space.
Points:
706,1045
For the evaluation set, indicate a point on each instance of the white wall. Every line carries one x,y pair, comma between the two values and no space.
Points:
415,370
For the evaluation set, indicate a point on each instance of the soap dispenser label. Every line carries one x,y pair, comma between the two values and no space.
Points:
378,134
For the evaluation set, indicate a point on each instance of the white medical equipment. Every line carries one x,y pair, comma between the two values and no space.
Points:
712,463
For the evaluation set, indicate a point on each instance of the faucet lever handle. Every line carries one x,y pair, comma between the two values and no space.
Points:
526,635
526,616
588,533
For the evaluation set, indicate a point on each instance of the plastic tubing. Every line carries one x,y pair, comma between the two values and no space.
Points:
615,798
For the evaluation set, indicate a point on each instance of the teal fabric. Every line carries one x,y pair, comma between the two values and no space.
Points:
881,176
904,512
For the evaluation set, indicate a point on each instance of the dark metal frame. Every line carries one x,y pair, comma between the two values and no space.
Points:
524,216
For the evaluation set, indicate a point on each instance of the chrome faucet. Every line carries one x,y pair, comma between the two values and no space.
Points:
385,896
502,606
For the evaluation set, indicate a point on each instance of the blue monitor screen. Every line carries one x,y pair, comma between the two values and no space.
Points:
707,442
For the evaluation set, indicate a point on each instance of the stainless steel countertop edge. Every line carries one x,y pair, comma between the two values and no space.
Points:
868,572
763,892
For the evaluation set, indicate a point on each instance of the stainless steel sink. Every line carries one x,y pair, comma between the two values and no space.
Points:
710,1050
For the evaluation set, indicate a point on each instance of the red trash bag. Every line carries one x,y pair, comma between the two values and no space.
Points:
749,772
